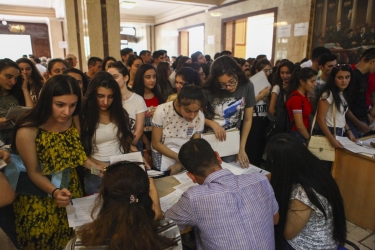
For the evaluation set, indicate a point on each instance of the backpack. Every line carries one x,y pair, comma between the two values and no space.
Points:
279,123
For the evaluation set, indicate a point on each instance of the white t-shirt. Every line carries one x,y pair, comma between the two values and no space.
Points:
174,126
134,105
276,89
339,114
105,142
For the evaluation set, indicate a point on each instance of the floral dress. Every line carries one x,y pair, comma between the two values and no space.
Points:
40,223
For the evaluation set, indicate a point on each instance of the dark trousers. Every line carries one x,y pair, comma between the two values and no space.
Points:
256,141
7,223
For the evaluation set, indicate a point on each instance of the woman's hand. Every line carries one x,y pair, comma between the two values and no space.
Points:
5,156
150,111
264,92
147,167
158,213
25,82
243,159
4,122
175,168
219,131
62,197
351,136
335,143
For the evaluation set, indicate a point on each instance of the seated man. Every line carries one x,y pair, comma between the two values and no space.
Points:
227,211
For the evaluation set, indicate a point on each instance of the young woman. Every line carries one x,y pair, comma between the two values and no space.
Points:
311,209
55,67
106,62
280,85
231,97
13,92
255,145
105,128
298,105
133,64
126,215
164,71
79,76
197,67
180,61
145,85
134,104
48,134
34,79
185,76
173,124
335,94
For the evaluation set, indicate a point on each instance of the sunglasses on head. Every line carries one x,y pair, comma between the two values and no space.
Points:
343,66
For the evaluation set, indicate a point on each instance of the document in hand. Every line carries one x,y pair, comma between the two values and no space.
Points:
14,113
260,82
135,157
230,146
80,212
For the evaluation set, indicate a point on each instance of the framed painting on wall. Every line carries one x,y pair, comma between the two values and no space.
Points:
346,27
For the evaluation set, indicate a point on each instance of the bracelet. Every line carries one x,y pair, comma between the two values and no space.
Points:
54,192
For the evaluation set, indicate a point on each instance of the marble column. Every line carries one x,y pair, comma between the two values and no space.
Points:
113,28
56,36
324,18
339,11
354,14
370,5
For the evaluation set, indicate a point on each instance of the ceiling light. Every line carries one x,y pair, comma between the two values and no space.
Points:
215,14
4,22
127,5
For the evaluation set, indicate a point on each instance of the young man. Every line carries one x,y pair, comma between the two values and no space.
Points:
125,54
326,63
314,61
94,65
227,211
146,56
198,57
158,57
356,116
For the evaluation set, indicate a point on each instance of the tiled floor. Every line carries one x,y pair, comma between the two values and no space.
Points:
365,240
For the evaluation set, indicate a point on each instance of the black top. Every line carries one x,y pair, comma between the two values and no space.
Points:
357,94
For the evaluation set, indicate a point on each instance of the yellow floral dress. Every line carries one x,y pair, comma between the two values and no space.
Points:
40,223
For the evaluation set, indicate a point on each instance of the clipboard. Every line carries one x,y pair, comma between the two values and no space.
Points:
15,113
231,146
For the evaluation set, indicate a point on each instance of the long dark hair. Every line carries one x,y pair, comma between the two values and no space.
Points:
163,79
189,75
300,74
55,86
277,78
139,86
224,65
291,163
89,117
56,60
330,86
37,79
105,60
126,217
85,82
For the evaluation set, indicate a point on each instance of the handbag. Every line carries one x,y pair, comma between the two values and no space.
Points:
319,144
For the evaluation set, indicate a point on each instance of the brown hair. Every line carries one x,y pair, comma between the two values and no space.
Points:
126,217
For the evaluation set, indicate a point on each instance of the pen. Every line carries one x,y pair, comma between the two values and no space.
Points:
261,171
71,202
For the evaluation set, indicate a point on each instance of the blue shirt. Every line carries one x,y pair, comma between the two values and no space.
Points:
229,212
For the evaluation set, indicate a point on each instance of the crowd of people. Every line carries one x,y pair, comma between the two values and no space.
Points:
160,107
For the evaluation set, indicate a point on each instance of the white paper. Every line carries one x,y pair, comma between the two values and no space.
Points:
135,157
372,125
235,170
367,142
230,146
2,163
182,178
166,202
80,212
260,82
185,186
14,113
284,30
250,169
63,44
353,147
173,144
210,39
154,173
301,29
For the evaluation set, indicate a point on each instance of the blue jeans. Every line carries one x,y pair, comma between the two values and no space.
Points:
355,130
93,183
299,136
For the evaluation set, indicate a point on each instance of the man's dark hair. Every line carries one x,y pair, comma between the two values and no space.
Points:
37,60
144,52
327,57
198,157
195,55
225,53
92,61
157,53
368,55
318,51
125,51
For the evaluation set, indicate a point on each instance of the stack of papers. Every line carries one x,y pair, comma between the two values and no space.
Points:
80,212
353,147
236,169
169,200
154,173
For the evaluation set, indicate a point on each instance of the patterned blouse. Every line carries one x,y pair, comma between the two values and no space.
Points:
318,232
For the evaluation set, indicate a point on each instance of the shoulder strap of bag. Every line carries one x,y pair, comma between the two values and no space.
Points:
334,118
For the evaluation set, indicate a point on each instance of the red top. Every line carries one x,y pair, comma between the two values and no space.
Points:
370,87
154,102
299,104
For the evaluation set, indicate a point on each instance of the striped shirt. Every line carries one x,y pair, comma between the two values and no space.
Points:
229,212
167,229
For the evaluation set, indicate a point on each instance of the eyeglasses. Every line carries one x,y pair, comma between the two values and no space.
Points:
121,163
231,83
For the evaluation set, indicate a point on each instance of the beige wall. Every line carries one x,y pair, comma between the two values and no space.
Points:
290,11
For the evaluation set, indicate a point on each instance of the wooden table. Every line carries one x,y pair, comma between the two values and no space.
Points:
355,176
